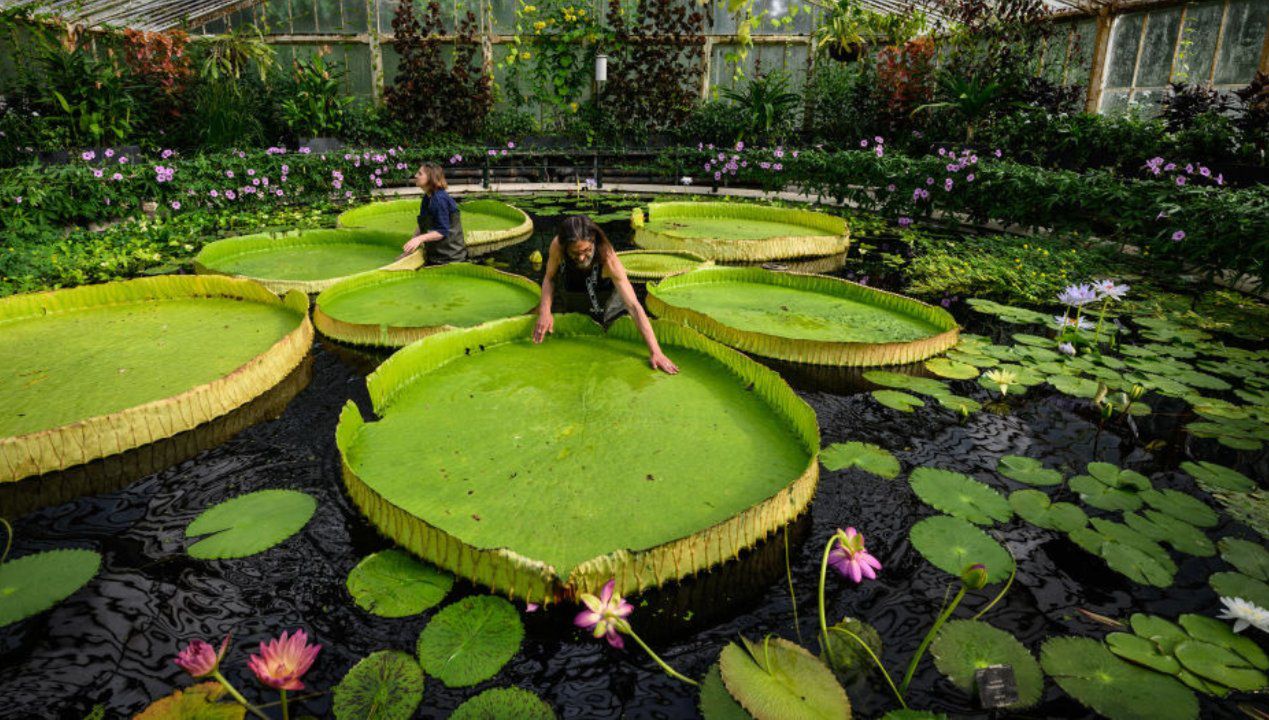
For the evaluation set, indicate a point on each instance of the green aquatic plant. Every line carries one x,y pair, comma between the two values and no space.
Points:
394,584
200,660
469,641
739,232
249,524
508,702
963,647
34,583
865,456
778,680
488,224
606,616
959,495
384,685
1113,687
201,701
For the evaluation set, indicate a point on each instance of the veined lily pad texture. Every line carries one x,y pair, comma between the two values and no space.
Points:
169,353
395,308
657,265
306,260
34,583
777,680
739,232
249,524
804,318
487,224
385,685
482,438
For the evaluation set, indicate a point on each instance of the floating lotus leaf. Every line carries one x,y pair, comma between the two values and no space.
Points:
470,641
306,260
778,680
865,456
471,499
654,265
1182,536
1219,665
204,701
1218,632
951,544
1099,495
1120,533
716,703
1210,475
394,584
1034,507
804,318
1163,633
1251,559
1029,339
1112,476
1181,506
963,647
896,400
741,232
913,383
1074,386
509,703
951,369
1137,565
1238,585
972,359
1027,470
100,369
487,224
395,308
385,685
848,658
1142,651
960,495
1008,313
1112,687
958,404
34,583
249,524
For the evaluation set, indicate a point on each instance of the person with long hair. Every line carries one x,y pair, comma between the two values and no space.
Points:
583,273
440,223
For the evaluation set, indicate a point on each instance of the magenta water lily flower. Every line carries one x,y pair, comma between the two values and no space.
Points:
850,558
605,616
284,660
199,659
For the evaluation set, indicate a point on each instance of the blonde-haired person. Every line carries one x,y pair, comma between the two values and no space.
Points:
440,222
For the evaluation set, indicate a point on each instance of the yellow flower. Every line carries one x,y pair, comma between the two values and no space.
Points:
539,25
525,56
573,106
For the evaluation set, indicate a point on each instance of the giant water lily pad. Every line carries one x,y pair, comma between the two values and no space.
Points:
778,680
34,583
385,685
1036,508
100,369
655,265
306,260
487,224
512,442
471,640
963,647
395,308
960,495
394,584
509,703
1117,689
952,544
249,524
865,456
740,232
804,318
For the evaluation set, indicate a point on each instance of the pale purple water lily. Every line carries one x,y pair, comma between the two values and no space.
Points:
905,222
1077,295
1108,289
850,558
1066,348
605,616
1178,236
199,659
1064,322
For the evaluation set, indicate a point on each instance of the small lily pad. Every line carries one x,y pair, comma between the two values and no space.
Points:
1181,506
778,680
385,685
1035,507
34,583
1074,386
1182,536
1220,665
1137,565
470,640
1099,495
393,584
204,701
951,369
848,657
1163,633
509,703
897,400
249,524
958,403
900,381
960,495
1113,476
951,544
1250,559
716,703
865,456
1238,585
1210,475
1218,632
1027,470
963,647
1113,687
1142,651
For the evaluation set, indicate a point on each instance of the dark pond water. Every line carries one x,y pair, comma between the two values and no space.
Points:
112,643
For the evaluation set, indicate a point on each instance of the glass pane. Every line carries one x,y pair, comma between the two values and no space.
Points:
504,15
391,60
1145,103
1054,56
1125,36
722,70
1158,48
1114,102
1080,63
303,17
1240,47
783,17
724,23
1198,43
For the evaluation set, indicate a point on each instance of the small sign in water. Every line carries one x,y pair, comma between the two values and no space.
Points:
997,687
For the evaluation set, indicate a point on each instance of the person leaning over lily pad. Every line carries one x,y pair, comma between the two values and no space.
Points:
440,221
584,274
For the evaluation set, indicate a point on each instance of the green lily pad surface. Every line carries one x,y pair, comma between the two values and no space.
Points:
204,701
951,369
392,583
1036,508
715,702
512,442
1027,470
741,231
964,647
651,265
951,544
483,219
960,495
778,680
1112,687
34,583
470,641
1183,507
1249,558
249,524
898,400
509,703
865,456
306,256
385,685
1218,477
1232,584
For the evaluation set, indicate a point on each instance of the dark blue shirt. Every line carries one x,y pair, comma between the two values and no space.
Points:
436,212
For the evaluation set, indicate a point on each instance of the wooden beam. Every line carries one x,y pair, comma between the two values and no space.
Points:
1097,76
376,50
1264,52
707,67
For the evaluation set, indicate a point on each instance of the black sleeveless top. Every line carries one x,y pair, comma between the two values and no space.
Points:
597,289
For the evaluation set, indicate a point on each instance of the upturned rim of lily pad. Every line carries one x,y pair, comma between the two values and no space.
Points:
825,234
479,242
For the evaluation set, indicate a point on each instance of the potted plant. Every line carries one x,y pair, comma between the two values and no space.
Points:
316,113
840,34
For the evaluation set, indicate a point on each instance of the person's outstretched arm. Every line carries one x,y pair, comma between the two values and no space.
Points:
617,272
546,321
440,230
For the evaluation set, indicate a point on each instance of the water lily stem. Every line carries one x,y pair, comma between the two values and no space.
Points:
286,714
1101,319
875,661
238,696
1008,584
929,637
668,670
8,541
788,574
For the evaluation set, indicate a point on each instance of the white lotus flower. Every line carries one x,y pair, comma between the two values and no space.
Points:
1244,613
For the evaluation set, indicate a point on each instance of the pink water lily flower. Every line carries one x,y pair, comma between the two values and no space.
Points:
199,659
284,660
850,558
605,616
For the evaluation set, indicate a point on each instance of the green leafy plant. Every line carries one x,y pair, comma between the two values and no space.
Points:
768,103
317,106
968,98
